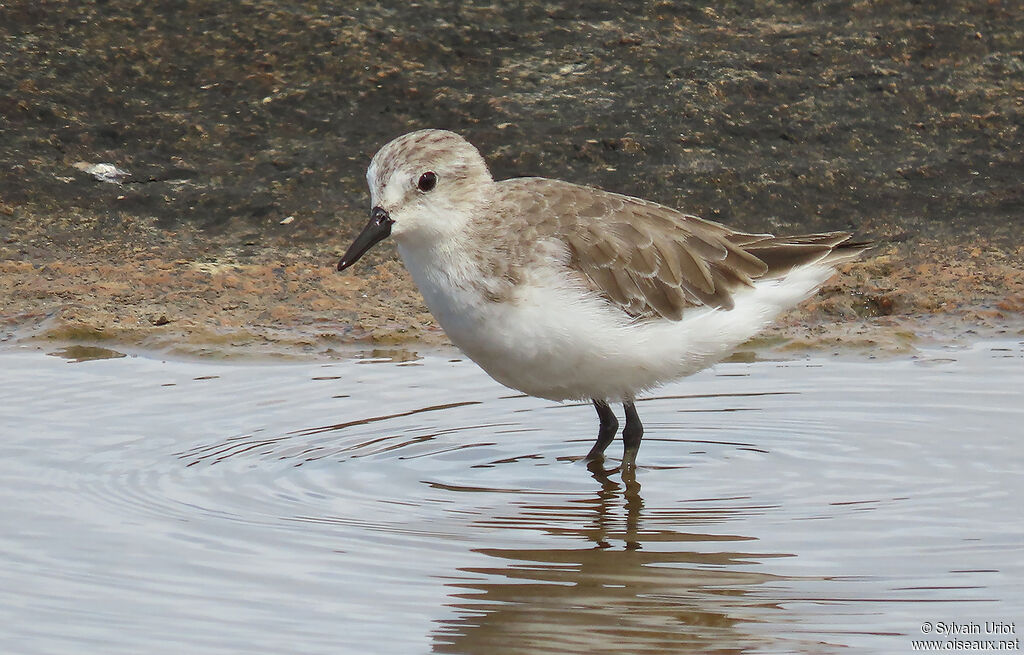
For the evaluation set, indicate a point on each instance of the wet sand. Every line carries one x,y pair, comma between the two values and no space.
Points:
244,154
291,301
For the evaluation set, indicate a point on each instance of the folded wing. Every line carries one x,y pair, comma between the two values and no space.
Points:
653,260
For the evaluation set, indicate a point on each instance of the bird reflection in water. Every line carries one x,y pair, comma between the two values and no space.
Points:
626,576
607,498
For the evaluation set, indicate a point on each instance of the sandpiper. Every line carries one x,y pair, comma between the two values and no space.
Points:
568,292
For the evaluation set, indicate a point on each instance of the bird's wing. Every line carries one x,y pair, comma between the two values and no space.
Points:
651,260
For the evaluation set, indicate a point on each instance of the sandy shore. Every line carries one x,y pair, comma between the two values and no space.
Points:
291,301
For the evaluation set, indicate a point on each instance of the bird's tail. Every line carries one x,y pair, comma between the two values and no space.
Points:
784,254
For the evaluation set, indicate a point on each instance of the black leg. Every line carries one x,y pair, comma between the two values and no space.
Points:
631,436
609,426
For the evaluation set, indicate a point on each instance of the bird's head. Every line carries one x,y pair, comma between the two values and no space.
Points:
424,186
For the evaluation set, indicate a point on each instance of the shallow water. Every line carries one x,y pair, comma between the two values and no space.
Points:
413,506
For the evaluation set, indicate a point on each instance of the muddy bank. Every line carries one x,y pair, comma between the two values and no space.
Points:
232,140
293,302
230,117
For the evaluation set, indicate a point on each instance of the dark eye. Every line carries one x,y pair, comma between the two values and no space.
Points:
427,181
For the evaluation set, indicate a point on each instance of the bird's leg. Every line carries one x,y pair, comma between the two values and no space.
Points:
609,426
631,436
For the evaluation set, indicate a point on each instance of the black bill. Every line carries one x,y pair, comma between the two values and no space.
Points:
378,228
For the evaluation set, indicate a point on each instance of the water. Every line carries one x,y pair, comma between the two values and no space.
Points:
412,506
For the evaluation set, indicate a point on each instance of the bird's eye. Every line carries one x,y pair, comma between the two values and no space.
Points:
427,181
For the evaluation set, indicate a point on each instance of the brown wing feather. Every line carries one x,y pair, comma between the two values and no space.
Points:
653,260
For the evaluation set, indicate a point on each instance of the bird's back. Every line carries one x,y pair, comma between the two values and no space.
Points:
648,259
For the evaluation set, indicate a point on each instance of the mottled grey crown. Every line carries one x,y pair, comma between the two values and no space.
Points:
443,152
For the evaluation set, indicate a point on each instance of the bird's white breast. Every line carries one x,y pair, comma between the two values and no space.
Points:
554,339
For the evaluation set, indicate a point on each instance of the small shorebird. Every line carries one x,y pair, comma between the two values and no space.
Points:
569,292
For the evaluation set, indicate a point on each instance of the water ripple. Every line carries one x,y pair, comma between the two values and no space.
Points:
249,508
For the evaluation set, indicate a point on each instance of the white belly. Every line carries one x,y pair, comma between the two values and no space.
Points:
559,342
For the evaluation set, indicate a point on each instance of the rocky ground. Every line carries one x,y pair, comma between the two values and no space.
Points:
237,136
